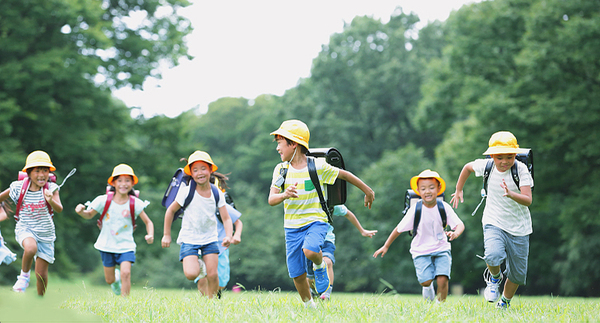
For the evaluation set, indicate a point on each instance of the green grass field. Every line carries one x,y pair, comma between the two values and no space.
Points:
81,302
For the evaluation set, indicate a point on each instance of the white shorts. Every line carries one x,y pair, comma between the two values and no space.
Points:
45,250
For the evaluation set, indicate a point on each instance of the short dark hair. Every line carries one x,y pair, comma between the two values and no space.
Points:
303,149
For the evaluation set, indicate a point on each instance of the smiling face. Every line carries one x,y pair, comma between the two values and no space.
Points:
504,162
285,150
123,184
201,172
39,177
428,190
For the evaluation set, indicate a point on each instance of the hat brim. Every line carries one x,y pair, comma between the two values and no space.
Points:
414,181
40,164
188,171
504,150
112,178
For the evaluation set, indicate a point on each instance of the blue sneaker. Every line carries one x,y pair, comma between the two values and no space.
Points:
321,279
502,305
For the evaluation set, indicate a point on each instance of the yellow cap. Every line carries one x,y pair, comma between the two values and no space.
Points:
38,158
199,156
428,173
122,169
294,130
503,142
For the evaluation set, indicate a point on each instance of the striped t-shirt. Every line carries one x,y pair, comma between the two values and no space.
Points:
34,216
306,208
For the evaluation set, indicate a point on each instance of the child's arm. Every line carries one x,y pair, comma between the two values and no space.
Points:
524,198
383,250
227,225
3,215
166,239
275,197
4,195
149,227
462,179
354,180
86,214
237,236
458,230
54,200
365,233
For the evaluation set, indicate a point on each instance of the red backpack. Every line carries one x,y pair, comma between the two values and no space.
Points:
25,187
110,193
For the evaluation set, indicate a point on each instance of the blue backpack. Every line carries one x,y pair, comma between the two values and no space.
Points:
181,177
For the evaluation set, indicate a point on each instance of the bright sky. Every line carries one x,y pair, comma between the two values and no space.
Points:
248,48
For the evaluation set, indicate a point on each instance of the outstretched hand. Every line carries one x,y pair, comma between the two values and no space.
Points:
456,197
381,251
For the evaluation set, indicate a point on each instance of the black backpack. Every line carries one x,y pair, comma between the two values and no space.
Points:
411,198
336,193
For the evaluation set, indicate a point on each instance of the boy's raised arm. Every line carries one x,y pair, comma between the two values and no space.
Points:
354,180
462,179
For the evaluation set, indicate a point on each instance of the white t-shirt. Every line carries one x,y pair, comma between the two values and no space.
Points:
500,211
34,215
430,236
199,226
116,235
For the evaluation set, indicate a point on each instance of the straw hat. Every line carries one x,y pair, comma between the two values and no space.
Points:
503,142
122,169
38,158
199,156
428,173
294,130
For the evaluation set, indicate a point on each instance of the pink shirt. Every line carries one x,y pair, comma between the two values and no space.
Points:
430,236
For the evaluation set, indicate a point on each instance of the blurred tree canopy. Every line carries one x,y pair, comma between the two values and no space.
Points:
393,99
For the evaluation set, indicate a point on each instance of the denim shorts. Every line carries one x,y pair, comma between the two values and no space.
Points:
501,245
430,266
310,237
328,251
223,268
45,250
110,259
195,249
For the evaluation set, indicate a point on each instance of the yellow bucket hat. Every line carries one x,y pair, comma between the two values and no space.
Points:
503,142
122,169
294,130
428,173
199,156
38,158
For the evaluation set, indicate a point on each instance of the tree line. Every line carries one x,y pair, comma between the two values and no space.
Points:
392,104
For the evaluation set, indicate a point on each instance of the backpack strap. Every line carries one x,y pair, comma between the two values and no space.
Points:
418,208
486,175
24,189
109,198
283,172
314,177
187,201
515,175
215,192
442,210
132,210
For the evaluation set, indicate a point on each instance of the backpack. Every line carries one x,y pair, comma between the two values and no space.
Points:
336,193
110,193
412,199
181,177
25,187
526,158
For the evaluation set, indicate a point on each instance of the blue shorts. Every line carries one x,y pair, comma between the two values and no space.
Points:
500,245
430,266
328,250
110,259
195,249
223,268
310,237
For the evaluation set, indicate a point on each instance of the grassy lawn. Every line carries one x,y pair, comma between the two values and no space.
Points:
81,302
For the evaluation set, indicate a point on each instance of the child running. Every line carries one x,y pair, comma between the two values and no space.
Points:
506,219
36,200
429,248
305,222
198,234
118,210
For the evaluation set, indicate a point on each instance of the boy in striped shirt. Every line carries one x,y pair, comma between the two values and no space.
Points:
305,222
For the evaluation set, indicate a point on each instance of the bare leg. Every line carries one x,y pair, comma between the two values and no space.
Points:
302,287
510,289
125,278
211,261
29,250
41,272
442,283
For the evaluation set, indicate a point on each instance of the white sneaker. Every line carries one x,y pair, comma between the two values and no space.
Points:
202,270
116,286
492,291
21,284
429,292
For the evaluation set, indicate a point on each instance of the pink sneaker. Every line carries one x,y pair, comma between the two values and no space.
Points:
21,284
